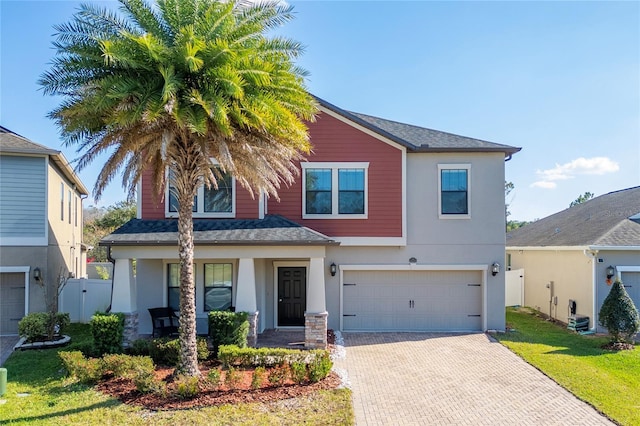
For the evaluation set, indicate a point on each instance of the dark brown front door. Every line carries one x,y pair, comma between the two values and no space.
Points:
292,296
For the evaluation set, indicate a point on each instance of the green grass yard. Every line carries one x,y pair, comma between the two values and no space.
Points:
38,393
608,380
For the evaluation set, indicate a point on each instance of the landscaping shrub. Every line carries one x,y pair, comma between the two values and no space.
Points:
214,377
127,366
320,367
298,372
35,325
186,387
279,374
232,378
86,370
257,379
107,331
619,315
85,347
265,357
166,351
228,328
139,347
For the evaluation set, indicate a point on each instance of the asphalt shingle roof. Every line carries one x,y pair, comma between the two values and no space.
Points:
420,139
13,142
601,221
272,230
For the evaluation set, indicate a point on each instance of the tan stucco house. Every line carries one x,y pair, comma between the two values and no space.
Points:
566,255
40,225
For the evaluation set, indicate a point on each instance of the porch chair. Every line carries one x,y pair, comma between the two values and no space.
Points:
165,322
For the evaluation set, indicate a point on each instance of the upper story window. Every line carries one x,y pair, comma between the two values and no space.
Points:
334,190
208,202
453,189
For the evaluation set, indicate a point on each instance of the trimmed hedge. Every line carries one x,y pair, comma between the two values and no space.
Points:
230,355
107,331
619,315
228,328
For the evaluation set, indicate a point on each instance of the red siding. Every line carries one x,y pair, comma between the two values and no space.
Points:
153,208
335,141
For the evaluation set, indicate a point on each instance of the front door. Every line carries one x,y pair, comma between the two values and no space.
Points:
292,296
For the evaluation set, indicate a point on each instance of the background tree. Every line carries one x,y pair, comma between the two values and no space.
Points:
582,199
100,222
619,315
511,224
183,85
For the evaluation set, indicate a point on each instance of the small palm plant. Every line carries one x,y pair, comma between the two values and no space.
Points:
619,315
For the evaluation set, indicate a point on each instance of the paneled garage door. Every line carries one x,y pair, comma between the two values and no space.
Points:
11,302
412,301
631,282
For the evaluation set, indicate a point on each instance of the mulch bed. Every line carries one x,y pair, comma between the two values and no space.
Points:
618,346
208,395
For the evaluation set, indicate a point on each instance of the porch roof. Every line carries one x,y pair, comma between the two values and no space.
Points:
272,230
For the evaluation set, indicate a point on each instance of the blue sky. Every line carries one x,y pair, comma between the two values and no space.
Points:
559,79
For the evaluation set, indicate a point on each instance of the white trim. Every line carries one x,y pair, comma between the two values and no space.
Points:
466,167
26,270
285,264
200,213
415,267
372,241
615,248
361,128
621,269
335,189
262,201
47,217
547,248
139,200
595,311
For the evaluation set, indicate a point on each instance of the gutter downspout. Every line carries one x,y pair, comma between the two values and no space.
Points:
592,254
113,274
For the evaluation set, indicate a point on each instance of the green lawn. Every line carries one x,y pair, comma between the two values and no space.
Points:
610,381
54,400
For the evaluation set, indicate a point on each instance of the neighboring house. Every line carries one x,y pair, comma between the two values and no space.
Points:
389,227
40,225
572,250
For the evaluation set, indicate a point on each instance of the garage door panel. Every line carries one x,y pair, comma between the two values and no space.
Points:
12,297
412,301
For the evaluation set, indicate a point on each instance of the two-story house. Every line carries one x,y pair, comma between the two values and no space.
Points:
40,225
389,227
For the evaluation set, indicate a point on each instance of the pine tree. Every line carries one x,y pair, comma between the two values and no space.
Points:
619,315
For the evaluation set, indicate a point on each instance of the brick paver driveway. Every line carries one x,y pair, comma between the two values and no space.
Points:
445,379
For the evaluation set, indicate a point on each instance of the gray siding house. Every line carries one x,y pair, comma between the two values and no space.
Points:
40,225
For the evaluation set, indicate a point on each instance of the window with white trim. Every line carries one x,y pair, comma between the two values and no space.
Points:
334,190
218,283
454,189
208,202
173,286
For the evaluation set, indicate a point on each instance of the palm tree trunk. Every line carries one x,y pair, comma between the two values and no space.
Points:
188,351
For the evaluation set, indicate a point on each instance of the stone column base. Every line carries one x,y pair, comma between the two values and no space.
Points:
315,330
130,328
252,337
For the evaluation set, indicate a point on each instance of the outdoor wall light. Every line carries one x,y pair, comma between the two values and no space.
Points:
333,269
495,268
36,274
610,272
413,260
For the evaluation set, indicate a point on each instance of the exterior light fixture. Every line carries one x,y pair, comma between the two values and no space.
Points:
36,274
413,260
495,268
610,272
333,269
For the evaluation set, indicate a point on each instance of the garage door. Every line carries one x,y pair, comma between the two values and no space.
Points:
412,301
11,302
631,282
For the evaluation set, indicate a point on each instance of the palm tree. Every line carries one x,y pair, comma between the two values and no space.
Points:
182,85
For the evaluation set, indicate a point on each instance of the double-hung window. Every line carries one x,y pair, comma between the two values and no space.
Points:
208,202
173,286
218,281
453,189
334,190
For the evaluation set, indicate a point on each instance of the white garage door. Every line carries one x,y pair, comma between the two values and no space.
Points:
412,301
11,302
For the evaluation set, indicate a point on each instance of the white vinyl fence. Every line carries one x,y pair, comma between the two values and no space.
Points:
514,288
81,298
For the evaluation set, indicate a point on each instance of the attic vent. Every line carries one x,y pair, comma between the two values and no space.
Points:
557,231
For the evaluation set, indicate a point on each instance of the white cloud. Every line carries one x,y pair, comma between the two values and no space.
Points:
579,166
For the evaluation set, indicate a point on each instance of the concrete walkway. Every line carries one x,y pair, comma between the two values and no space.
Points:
444,379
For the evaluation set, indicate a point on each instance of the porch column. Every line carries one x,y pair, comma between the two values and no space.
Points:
315,318
246,297
124,298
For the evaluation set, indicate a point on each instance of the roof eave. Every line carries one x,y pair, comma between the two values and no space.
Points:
507,150
131,243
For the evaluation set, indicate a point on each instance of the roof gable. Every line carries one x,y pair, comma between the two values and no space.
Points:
601,221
